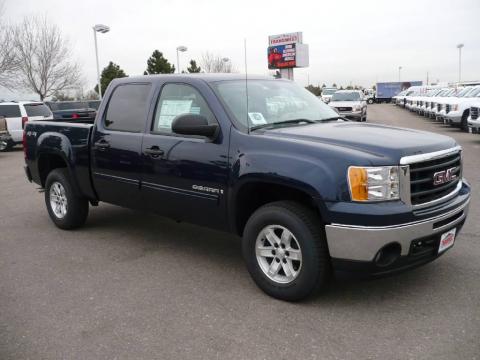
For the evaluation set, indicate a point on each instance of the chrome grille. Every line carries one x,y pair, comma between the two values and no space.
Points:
474,112
439,107
447,108
422,178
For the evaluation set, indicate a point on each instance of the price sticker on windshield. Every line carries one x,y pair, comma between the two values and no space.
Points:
257,118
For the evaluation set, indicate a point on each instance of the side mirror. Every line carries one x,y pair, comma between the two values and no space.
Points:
193,124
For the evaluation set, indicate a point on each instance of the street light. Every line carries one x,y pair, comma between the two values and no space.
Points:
182,49
459,47
399,74
101,29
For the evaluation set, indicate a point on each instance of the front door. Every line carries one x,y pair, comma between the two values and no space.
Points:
117,145
184,177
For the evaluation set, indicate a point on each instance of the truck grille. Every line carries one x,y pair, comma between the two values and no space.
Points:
423,176
447,108
474,112
439,107
344,108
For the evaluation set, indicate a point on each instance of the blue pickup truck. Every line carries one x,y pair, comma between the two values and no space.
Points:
308,191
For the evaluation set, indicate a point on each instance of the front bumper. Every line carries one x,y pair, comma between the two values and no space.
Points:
453,117
358,246
352,115
474,125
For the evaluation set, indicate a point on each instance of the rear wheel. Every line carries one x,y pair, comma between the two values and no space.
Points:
66,210
370,101
285,250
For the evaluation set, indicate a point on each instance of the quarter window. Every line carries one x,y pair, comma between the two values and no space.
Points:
128,108
10,111
178,99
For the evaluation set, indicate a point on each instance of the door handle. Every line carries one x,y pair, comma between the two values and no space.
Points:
102,145
154,151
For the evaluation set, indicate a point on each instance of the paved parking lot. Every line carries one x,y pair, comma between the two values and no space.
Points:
136,286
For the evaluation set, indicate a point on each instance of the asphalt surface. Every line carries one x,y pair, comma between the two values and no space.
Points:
135,286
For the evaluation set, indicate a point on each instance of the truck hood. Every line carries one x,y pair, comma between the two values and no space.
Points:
382,141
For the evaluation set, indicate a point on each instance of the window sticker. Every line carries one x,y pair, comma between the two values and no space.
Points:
172,108
195,110
257,118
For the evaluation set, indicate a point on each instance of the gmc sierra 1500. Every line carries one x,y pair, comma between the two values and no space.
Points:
307,190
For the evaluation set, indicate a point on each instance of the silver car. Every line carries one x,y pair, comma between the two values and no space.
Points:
350,104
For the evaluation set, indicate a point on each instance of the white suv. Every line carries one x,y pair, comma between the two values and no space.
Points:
17,114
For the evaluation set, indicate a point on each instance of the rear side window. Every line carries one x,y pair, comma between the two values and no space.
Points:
10,111
37,110
127,109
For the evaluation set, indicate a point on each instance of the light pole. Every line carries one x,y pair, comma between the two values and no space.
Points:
459,47
101,29
182,49
399,74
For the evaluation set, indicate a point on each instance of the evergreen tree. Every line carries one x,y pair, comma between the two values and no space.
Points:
193,67
157,64
112,71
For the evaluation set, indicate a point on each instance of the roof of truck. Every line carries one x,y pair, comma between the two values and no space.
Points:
210,77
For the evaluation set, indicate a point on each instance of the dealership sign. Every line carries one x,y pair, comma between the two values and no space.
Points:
283,39
287,51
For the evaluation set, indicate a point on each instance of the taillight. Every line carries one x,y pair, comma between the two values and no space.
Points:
24,120
75,116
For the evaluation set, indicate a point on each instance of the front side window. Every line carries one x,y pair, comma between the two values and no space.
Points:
10,111
178,99
128,108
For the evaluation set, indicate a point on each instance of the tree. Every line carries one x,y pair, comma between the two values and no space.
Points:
216,64
110,72
334,85
324,86
157,64
45,65
60,96
315,90
91,95
8,55
193,67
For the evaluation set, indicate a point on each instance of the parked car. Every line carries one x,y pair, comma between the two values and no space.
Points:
350,104
457,110
4,135
440,111
327,94
431,105
307,190
17,113
73,110
474,118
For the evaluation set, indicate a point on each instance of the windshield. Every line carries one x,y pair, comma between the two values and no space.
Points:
459,93
328,91
346,96
473,92
37,109
271,101
68,105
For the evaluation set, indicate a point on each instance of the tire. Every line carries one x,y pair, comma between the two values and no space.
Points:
6,145
464,122
370,101
71,211
308,237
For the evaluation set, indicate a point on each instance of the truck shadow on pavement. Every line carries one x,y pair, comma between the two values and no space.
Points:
219,254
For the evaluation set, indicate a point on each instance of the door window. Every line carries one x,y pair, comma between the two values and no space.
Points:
128,108
10,111
177,99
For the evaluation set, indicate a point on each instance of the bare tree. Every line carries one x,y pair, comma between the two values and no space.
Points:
8,58
212,63
45,64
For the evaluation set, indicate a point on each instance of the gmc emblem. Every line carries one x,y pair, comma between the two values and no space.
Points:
444,176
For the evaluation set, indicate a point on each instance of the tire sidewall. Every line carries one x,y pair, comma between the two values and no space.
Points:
303,284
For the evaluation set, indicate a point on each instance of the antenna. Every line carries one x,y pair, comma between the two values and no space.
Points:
246,82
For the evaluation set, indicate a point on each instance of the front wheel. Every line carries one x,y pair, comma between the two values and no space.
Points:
464,123
66,210
370,101
285,250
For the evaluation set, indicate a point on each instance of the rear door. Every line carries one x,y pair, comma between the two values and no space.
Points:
117,145
13,115
38,111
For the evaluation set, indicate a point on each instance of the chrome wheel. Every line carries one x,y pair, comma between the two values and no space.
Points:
278,254
58,200
3,145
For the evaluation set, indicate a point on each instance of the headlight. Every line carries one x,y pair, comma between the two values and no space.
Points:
455,107
374,183
357,108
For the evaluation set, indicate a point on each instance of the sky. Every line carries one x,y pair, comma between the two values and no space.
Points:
351,42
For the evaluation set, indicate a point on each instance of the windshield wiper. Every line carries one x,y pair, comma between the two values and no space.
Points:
292,121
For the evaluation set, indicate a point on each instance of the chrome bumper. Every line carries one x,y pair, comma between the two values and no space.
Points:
361,243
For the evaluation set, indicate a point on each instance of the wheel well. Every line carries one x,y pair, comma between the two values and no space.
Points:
254,195
47,163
